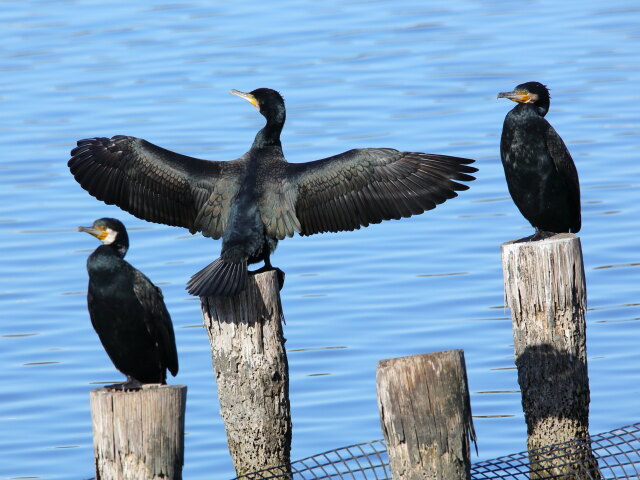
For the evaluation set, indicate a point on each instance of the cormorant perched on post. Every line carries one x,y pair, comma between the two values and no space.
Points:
259,198
540,173
127,310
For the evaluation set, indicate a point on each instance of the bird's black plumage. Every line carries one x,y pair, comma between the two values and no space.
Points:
540,173
260,198
127,310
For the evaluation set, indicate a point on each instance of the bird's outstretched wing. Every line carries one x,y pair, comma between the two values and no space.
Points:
157,320
153,183
567,170
364,186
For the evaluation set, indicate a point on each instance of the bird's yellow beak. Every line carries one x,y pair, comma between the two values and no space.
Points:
247,96
96,232
520,96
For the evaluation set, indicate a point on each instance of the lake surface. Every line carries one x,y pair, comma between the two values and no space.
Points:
410,75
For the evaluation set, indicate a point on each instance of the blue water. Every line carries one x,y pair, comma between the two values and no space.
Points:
402,74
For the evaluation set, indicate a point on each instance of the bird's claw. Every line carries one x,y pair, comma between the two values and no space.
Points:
130,385
280,274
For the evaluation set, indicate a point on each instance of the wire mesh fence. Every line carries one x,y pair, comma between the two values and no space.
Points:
617,453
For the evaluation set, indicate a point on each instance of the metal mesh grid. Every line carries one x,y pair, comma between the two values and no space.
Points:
617,453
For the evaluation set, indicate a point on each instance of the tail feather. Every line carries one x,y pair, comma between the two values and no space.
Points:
219,279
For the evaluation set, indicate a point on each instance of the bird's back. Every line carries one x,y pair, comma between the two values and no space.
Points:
260,188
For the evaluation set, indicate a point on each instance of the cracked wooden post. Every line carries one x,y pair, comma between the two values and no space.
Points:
139,433
545,289
425,413
252,374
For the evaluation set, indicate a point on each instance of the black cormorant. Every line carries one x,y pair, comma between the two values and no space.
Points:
127,310
540,173
259,198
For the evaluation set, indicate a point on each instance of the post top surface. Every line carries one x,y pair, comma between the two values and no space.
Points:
411,358
145,388
523,242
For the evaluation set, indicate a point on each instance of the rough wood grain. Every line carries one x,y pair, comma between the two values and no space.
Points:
139,434
425,415
546,291
252,373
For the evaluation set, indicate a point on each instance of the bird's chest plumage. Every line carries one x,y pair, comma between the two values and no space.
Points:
110,279
523,146
527,163
116,313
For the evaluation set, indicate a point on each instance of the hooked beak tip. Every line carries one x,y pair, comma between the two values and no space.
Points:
247,96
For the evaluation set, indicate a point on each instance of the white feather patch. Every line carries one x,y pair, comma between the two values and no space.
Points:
111,237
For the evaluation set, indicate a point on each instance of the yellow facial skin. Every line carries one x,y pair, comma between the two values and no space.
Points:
247,96
100,232
520,96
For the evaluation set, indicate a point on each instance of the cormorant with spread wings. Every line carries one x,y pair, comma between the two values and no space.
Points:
260,198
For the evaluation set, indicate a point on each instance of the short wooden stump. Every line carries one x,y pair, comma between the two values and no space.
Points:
139,434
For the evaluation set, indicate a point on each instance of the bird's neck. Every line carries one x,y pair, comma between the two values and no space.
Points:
538,109
269,136
104,261
117,248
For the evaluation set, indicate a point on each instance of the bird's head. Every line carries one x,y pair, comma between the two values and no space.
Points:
268,101
530,92
109,231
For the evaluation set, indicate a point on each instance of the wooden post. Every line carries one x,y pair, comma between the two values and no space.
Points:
545,289
140,433
252,374
425,415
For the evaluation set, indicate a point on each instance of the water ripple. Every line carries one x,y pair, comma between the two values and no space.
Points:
354,74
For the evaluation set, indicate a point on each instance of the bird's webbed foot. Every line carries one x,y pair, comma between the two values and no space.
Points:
541,235
130,384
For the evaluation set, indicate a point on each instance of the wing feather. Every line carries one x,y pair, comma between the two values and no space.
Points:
365,186
157,320
156,184
567,170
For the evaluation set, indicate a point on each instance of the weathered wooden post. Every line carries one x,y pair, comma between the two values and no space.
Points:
425,415
545,289
140,433
252,373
